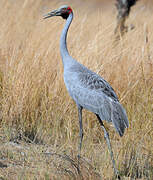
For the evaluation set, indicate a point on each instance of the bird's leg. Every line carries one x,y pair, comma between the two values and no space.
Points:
81,131
106,135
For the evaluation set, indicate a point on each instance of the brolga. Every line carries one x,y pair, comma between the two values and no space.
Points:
88,89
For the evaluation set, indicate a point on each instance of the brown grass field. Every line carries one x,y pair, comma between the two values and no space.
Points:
38,120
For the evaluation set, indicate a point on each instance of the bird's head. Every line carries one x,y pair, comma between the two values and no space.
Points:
63,11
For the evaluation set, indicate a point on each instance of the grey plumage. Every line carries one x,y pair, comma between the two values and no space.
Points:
92,92
88,89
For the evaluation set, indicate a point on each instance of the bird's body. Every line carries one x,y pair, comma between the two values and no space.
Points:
88,89
92,92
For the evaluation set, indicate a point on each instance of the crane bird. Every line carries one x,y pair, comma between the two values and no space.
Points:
88,89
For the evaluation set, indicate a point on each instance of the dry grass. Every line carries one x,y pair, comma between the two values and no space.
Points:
36,112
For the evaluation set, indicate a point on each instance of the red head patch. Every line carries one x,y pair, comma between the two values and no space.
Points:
69,10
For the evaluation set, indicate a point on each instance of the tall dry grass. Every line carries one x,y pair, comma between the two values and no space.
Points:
35,105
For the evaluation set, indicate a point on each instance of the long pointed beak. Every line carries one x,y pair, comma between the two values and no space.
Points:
51,14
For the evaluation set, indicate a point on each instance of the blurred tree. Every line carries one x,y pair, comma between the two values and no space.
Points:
123,7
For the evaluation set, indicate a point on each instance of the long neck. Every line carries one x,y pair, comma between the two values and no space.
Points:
63,44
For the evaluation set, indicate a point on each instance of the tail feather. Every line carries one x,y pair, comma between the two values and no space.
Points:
119,117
